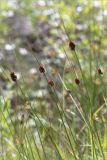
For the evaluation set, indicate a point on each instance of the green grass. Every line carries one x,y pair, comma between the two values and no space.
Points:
68,122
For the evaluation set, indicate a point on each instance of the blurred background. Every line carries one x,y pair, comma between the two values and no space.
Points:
34,28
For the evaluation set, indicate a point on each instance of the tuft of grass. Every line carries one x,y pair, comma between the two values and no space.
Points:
78,101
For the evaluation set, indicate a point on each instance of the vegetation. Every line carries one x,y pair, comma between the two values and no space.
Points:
53,80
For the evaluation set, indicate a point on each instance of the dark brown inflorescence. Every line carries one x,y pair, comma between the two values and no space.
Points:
77,81
13,76
51,83
71,45
41,69
100,71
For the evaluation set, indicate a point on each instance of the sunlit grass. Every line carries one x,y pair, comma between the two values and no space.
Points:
69,123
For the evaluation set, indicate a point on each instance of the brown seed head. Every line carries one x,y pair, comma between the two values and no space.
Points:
71,45
13,76
77,81
100,71
41,69
51,83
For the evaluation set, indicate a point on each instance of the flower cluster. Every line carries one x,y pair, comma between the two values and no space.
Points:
51,82
71,45
77,81
13,76
41,69
100,71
